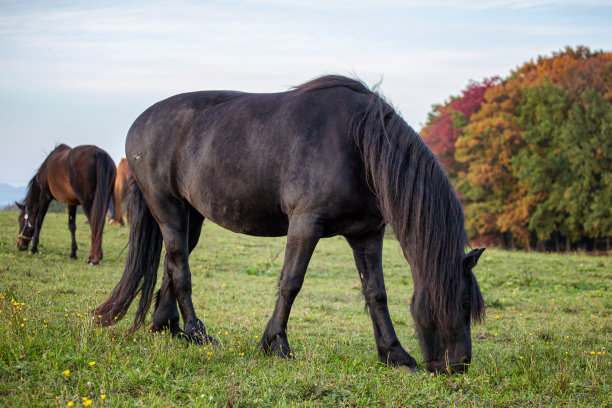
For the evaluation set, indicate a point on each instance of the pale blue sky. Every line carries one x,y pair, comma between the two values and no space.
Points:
81,72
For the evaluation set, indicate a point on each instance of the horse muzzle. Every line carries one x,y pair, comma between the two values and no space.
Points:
23,242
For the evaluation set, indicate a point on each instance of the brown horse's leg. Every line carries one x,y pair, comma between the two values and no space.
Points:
302,237
96,223
40,216
72,227
117,201
166,315
367,250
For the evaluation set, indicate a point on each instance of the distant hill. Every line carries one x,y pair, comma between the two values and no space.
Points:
10,194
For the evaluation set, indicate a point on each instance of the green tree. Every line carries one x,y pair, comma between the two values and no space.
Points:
587,133
542,164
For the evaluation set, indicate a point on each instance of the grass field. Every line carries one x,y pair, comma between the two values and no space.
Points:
546,340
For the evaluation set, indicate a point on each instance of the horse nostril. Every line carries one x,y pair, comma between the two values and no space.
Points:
465,360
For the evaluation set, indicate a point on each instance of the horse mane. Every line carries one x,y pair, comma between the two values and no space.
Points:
31,202
35,189
331,81
417,199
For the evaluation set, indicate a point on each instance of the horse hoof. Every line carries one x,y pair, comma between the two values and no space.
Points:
196,333
279,346
400,359
199,338
408,369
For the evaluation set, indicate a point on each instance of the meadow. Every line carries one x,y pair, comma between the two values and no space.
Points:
545,342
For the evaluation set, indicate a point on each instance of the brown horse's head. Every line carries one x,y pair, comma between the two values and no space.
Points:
447,344
26,228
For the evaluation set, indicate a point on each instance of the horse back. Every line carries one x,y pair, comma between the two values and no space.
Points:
57,176
250,161
71,173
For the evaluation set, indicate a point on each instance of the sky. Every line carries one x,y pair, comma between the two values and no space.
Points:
80,72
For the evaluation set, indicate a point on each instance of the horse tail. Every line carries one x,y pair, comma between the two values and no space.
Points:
105,181
140,274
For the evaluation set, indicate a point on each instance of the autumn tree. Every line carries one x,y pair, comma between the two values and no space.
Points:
534,160
445,123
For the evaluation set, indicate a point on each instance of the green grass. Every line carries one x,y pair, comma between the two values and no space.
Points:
545,341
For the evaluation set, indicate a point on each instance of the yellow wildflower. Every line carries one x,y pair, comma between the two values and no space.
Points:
66,373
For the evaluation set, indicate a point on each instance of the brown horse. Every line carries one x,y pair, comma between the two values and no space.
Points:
83,176
120,193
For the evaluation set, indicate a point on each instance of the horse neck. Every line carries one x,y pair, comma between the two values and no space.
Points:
34,196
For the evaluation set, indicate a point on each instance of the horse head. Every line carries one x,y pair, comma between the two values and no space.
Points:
26,228
447,345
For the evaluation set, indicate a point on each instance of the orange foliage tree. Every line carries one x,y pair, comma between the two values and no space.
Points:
532,159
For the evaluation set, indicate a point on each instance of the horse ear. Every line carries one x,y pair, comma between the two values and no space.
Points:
19,205
471,259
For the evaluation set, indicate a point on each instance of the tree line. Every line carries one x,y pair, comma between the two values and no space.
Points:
530,155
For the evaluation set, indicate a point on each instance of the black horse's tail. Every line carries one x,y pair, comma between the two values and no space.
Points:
141,266
105,182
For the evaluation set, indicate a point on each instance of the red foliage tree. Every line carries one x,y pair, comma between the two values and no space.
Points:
446,122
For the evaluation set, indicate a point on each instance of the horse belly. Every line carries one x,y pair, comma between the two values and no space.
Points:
264,228
245,216
59,185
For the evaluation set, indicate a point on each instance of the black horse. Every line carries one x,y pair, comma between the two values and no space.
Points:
83,176
329,157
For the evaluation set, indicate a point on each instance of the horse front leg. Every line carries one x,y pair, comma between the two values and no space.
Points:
302,237
367,250
40,216
72,227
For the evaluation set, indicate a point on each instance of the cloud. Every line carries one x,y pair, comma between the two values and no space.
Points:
65,63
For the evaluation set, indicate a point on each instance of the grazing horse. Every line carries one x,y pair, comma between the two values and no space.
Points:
120,192
83,176
329,157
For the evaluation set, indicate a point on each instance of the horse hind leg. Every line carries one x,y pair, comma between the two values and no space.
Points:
166,315
367,250
174,224
72,227
95,253
303,235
